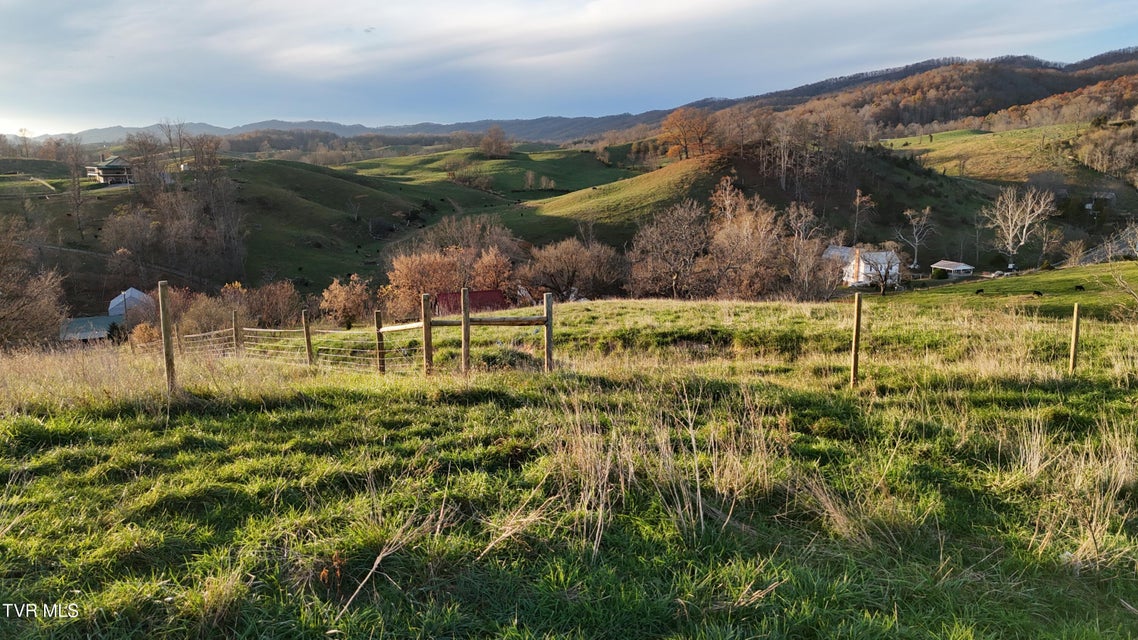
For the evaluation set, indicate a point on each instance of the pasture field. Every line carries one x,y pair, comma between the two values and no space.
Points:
690,470
569,169
1016,157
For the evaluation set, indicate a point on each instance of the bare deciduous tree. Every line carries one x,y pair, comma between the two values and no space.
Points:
666,253
146,164
31,303
809,276
272,305
744,252
473,232
1073,251
1016,216
1121,251
883,265
920,228
175,134
77,169
573,268
864,206
494,144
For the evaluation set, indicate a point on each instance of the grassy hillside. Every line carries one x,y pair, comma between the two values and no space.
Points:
1016,157
691,470
1099,295
614,209
311,223
570,170
582,189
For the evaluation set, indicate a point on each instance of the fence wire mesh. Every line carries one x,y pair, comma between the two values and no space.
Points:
403,351
278,345
349,349
212,343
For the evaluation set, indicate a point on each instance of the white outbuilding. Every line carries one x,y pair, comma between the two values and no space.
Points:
955,269
130,300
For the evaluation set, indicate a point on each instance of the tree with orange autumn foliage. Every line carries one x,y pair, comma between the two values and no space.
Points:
689,130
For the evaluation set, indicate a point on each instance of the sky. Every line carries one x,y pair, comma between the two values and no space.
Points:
67,66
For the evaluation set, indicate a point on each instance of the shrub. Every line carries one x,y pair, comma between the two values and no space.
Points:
939,274
274,305
31,308
206,313
346,303
145,333
572,268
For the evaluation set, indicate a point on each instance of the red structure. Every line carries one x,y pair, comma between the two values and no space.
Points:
449,304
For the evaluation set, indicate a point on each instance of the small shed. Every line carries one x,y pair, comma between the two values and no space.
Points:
130,300
954,269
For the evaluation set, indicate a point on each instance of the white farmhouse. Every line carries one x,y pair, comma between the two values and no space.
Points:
861,268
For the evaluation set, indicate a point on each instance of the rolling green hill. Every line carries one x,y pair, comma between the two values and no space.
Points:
312,223
569,170
1038,155
614,209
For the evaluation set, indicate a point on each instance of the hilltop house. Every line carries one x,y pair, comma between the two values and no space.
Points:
113,170
861,268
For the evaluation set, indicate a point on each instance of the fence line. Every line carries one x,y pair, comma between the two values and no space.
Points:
387,348
280,345
399,347
222,342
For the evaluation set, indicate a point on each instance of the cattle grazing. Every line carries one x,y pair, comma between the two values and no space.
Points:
1037,294
1080,287
979,291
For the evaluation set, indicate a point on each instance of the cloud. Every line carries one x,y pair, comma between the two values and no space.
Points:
434,59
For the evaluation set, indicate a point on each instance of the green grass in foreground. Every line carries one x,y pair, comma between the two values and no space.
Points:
691,470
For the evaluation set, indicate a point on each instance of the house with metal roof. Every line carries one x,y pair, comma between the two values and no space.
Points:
113,170
955,269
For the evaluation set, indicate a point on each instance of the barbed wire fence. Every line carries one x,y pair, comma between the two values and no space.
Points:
398,348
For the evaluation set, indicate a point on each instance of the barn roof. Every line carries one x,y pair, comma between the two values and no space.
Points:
949,265
91,328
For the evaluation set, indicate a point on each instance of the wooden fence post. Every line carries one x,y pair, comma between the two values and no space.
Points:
428,347
1074,340
856,340
167,337
380,353
548,332
307,337
465,330
236,336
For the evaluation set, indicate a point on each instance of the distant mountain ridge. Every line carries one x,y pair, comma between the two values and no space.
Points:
1018,69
